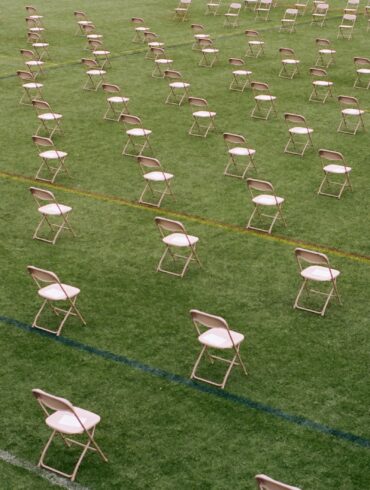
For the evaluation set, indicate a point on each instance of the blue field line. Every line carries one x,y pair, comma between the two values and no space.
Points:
175,378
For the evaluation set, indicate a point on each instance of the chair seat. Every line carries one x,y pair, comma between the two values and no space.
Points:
138,132
155,44
84,22
322,83
180,240
239,151
201,36
319,273
265,97
34,63
40,45
289,61
364,71
32,85
231,15
242,72
101,52
219,338
94,36
67,423
117,99
96,72
36,17
210,50
163,61
179,85
267,200
352,112
49,116
256,43
36,29
54,210
53,154
327,51
158,176
300,130
337,169
141,29
204,114
53,292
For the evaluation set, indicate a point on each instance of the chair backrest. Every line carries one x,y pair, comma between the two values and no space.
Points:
25,75
294,118
286,52
205,43
359,60
130,119
149,162
150,36
260,185
197,102
31,22
110,88
33,37
207,320
90,63
95,43
321,8
31,10
42,275
260,86
51,401
88,28
265,4
27,53
332,156
349,19
322,42
137,21
80,15
42,141
236,139
251,33
236,62
311,257
165,224
318,72
157,52
347,100
289,13
197,28
42,194
41,105
264,482
172,75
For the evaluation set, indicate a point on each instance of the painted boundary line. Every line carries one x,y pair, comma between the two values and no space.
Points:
46,475
293,242
180,380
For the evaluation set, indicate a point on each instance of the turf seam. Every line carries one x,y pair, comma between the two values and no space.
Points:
203,388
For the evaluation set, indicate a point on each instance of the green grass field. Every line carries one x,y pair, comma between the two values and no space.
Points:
301,415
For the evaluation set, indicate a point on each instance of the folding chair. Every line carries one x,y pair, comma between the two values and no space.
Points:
52,292
214,334
49,211
362,67
241,78
352,6
137,137
263,10
82,20
34,25
33,14
213,7
334,164
326,55
241,158
157,181
115,99
266,483
139,29
49,120
318,271
289,63
345,29
198,33
30,87
151,39
101,55
351,120
232,15
367,15
289,20
95,75
203,114
301,7
174,237
268,199
89,33
299,134
40,48
250,4
209,53
32,62
52,159
161,63
322,88
66,420
264,101
179,90
319,14
182,10
255,44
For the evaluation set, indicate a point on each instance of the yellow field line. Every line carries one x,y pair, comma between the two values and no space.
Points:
194,218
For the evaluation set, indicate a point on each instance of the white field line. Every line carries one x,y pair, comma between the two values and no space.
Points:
50,477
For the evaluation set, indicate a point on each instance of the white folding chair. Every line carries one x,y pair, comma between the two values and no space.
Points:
232,15
289,63
300,138
32,89
334,165
322,87
352,6
241,157
213,7
214,335
264,482
101,55
182,10
139,29
32,62
34,25
199,34
319,14
263,9
209,54
351,120
264,197
345,28
157,181
95,75
82,20
115,100
326,55
53,292
152,41
255,44
179,90
289,20
362,67
175,237
54,215
66,421
318,271
49,120
203,114
137,136
241,77
264,101
161,62
40,47
52,160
